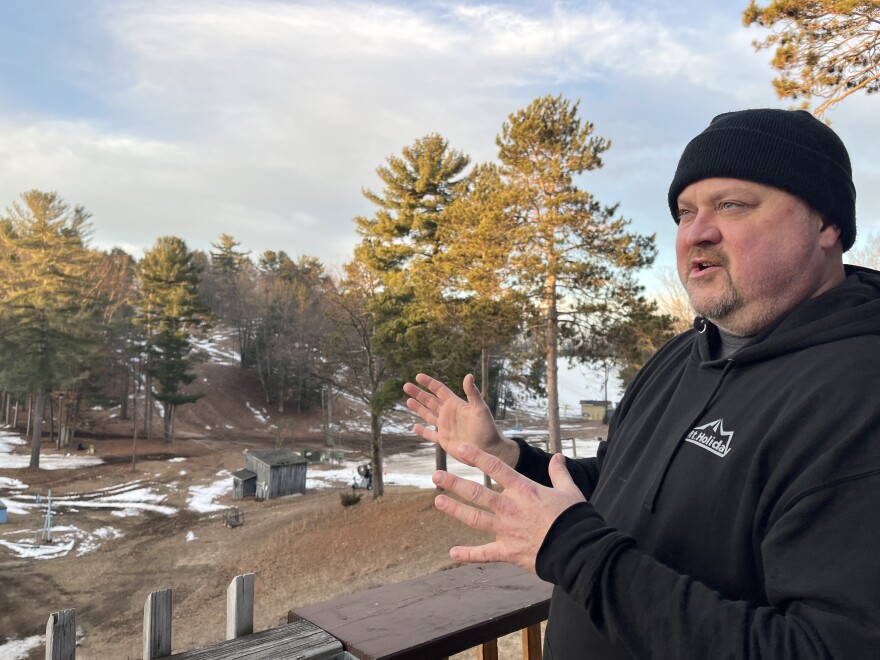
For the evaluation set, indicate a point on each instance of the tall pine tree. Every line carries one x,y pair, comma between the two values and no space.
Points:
169,309
573,257
411,327
47,301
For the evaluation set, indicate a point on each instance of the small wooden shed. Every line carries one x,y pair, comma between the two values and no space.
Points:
594,410
244,484
279,472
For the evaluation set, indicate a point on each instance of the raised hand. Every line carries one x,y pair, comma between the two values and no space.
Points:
455,421
519,517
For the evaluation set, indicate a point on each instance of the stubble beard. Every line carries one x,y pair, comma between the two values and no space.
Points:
727,309
716,307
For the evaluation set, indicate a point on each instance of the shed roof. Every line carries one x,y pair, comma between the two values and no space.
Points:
244,474
276,457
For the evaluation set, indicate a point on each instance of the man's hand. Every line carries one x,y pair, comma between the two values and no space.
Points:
519,517
457,422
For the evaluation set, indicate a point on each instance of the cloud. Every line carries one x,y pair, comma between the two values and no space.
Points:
264,119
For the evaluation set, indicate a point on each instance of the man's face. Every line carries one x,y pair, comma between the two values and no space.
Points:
748,253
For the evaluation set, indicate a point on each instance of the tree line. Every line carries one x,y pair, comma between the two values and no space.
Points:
498,268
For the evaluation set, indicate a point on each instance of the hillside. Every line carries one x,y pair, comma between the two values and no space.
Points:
119,534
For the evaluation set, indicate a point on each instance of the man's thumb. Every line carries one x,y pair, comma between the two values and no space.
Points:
559,475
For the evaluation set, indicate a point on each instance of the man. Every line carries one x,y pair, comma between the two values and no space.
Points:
735,509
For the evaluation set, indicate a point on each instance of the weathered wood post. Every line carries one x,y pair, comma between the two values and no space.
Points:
531,642
240,606
61,635
157,625
488,650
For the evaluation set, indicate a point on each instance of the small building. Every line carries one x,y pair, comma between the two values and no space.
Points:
279,472
594,410
244,484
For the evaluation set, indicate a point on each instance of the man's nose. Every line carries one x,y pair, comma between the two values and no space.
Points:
703,229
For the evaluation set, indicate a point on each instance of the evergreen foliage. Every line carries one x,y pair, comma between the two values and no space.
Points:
827,49
412,325
169,309
232,278
48,323
573,257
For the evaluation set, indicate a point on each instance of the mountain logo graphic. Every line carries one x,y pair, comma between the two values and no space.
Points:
711,437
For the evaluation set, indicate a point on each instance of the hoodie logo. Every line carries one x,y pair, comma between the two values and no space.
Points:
711,437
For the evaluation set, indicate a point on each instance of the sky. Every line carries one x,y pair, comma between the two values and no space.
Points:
265,119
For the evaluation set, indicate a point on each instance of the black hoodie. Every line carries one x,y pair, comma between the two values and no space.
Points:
735,509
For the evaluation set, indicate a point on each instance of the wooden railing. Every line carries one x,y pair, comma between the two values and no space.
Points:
427,618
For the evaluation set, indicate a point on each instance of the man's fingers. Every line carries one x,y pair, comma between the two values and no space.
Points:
471,390
480,553
422,411
426,432
560,476
437,387
470,516
421,397
467,489
502,473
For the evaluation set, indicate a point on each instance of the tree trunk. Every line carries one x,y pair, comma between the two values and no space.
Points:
71,421
281,388
484,390
439,459
126,379
134,415
52,435
376,455
167,421
554,437
148,406
38,429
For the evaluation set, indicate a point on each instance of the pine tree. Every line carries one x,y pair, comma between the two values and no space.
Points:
572,256
169,309
47,301
474,268
413,327
232,276
827,49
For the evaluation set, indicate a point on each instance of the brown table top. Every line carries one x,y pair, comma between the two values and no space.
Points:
433,616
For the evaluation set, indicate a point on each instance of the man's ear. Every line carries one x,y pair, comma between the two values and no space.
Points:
829,234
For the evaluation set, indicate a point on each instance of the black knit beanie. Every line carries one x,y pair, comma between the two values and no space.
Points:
786,149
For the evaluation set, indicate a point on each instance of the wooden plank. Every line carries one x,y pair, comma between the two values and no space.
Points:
240,606
301,640
61,635
433,616
157,625
531,643
488,651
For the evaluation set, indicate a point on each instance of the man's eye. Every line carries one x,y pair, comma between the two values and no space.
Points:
729,205
682,213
